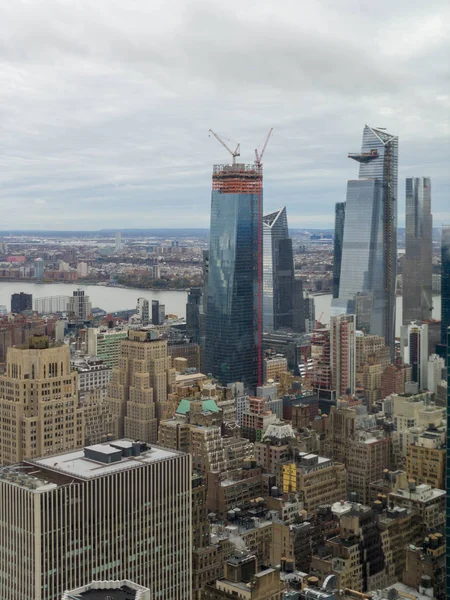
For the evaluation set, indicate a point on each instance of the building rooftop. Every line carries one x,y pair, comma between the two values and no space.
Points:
112,590
84,464
421,493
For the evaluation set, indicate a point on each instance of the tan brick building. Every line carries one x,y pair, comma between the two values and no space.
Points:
39,412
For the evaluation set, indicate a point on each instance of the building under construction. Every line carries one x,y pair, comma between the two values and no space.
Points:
233,341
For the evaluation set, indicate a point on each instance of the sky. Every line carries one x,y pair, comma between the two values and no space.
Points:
105,105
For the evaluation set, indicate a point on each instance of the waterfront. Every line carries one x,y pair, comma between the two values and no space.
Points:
116,298
109,298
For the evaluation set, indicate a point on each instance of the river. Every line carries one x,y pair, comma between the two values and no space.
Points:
114,298
109,298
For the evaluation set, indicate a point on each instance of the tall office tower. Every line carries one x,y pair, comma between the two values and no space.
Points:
118,241
158,313
143,310
417,269
414,351
310,313
343,354
339,221
39,268
233,348
447,473
298,306
111,511
203,303
278,272
140,386
193,308
21,302
445,283
369,249
39,412
79,307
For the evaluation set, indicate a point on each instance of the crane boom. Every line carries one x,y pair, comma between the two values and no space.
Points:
233,154
259,156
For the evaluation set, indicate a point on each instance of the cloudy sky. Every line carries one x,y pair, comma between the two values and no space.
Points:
105,105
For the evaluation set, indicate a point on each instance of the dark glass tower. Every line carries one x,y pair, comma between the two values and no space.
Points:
417,270
233,303
193,306
278,272
369,249
445,283
21,302
339,221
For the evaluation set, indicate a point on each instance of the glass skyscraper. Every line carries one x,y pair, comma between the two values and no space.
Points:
233,303
278,272
339,221
417,269
445,283
369,249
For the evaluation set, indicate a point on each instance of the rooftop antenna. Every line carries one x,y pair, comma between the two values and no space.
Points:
237,152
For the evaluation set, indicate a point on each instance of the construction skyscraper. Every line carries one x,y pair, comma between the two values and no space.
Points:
233,341
369,250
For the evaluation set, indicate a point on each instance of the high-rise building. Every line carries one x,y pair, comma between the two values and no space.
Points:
339,221
342,354
51,304
278,272
143,310
447,473
309,313
39,410
39,268
118,241
140,386
193,310
79,307
414,351
21,302
417,269
369,249
111,511
158,313
299,307
445,283
105,343
233,348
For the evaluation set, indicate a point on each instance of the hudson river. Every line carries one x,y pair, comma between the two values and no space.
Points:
113,299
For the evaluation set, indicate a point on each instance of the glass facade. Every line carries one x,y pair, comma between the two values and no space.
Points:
231,341
339,221
447,531
417,269
278,272
445,283
369,248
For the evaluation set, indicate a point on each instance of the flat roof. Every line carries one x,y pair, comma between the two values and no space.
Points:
75,464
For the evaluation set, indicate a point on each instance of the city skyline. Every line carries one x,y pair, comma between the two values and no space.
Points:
70,152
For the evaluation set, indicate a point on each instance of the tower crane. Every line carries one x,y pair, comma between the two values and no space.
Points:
259,156
237,152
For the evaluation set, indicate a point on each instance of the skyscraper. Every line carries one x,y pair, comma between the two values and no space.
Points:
414,351
343,353
339,221
21,302
143,310
417,270
278,272
233,310
193,308
369,250
445,283
106,512
39,411
158,313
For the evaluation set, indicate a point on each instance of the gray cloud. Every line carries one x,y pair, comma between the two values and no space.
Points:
105,106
